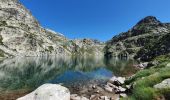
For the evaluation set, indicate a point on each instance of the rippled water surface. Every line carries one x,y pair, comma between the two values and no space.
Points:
31,72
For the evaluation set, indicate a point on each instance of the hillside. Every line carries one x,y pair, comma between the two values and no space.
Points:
145,32
155,48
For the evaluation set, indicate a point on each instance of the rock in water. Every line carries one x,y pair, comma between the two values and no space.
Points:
48,92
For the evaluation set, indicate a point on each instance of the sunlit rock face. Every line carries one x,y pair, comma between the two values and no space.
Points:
89,47
128,43
22,35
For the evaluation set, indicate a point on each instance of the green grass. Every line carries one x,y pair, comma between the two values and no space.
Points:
143,93
140,74
144,81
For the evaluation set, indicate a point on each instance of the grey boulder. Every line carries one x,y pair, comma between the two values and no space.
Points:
48,92
163,85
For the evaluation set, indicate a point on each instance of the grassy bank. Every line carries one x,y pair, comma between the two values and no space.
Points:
144,80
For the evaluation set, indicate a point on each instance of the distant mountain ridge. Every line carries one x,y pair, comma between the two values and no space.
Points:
128,43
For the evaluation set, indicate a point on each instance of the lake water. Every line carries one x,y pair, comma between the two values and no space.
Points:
31,72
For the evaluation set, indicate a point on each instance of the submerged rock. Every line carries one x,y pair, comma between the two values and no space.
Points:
48,92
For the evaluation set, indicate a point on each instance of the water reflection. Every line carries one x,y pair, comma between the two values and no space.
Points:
121,67
31,72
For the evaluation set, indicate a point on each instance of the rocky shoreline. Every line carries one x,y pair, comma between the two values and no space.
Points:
110,90
114,89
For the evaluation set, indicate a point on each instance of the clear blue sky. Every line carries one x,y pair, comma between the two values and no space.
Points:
96,19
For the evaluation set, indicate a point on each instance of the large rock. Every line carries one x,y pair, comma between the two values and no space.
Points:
163,85
48,92
117,80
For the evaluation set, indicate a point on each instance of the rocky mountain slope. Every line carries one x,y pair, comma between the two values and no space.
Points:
22,35
145,32
87,46
155,48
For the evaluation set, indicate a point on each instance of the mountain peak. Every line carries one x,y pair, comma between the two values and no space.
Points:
149,20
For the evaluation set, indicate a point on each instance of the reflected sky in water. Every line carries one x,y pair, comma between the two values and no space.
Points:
31,72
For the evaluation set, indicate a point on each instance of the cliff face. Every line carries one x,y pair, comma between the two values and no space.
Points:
22,35
129,43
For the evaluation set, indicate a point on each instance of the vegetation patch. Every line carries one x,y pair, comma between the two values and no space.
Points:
144,80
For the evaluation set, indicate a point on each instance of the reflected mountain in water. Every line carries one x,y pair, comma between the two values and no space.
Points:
31,72
121,66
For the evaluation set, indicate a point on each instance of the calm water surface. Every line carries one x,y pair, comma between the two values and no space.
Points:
31,72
